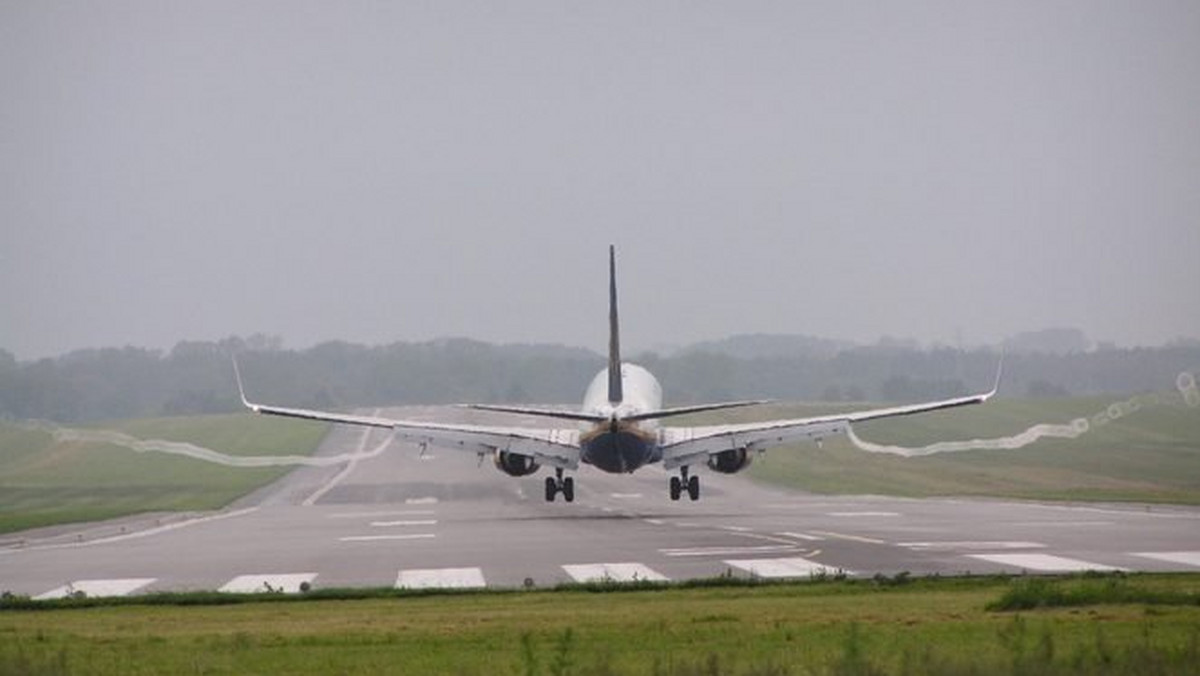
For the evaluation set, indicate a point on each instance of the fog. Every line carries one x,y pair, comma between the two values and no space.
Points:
951,172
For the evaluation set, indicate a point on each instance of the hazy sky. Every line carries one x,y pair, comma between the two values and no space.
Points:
375,171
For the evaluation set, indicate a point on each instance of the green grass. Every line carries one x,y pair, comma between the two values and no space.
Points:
44,482
1151,455
927,626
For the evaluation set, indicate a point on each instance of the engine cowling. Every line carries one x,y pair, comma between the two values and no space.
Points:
513,464
730,462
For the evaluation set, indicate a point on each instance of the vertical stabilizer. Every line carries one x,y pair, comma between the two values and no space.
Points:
615,393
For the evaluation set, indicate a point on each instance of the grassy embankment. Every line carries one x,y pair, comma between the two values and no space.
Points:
1149,455
45,482
1084,625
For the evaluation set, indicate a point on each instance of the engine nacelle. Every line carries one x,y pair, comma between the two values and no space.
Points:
513,464
730,462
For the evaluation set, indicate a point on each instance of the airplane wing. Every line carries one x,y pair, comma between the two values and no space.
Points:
692,445
553,447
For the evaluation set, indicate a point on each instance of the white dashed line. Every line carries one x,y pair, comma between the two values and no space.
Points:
852,538
801,536
421,501
374,538
388,524
729,551
782,568
858,514
615,572
1043,562
262,583
121,587
951,546
441,578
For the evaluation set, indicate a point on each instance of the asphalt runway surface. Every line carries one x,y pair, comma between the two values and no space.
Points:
443,519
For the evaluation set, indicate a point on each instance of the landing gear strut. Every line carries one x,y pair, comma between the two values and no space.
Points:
557,484
682,482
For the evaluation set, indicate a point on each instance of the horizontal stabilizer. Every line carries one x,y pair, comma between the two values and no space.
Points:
539,412
699,408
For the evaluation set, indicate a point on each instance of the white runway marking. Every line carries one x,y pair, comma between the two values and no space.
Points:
285,583
625,496
729,551
121,587
857,514
852,538
736,529
615,572
1186,558
421,501
373,538
802,536
141,533
350,466
375,515
441,578
388,524
1043,562
950,546
776,568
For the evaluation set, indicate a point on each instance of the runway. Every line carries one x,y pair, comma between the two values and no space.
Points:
443,519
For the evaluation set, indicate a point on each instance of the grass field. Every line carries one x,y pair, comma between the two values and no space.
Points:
1111,625
44,481
1148,455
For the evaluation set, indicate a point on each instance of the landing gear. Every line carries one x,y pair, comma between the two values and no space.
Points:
681,483
557,484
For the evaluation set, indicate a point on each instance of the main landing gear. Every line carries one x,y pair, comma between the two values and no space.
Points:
681,483
557,484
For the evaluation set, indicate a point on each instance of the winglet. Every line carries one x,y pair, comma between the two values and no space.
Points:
615,392
237,374
999,375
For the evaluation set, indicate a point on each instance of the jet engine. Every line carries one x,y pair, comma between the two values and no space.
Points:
730,462
513,464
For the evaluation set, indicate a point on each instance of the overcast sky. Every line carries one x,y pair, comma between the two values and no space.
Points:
375,172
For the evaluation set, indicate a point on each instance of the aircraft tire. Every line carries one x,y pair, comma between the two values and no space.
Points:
551,489
676,487
568,489
693,488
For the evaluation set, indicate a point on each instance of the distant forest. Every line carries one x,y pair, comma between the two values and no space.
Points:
196,377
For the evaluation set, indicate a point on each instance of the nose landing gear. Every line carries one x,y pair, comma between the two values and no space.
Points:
682,482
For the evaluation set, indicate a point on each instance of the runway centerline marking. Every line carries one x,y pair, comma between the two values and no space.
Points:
801,536
614,572
122,587
387,524
1187,558
377,538
1043,562
375,515
863,514
948,546
421,501
266,583
441,578
729,551
852,538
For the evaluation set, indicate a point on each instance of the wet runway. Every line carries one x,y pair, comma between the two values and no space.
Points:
444,519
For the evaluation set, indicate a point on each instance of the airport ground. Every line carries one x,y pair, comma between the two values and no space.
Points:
442,520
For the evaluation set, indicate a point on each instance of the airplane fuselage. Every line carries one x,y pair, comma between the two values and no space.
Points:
620,446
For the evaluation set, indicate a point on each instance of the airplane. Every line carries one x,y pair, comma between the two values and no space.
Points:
616,430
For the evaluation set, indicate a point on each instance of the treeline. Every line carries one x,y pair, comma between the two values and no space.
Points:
196,377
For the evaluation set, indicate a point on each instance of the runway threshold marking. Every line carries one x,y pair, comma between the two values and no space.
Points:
373,538
441,578
264,583
1186,558
784,568
1043,562
118,587
615,572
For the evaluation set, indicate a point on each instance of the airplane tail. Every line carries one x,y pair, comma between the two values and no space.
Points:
615,393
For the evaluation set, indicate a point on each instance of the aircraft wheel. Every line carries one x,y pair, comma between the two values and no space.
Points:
568,489
693,488
676,487
551,489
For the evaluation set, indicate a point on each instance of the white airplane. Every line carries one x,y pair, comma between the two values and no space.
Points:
616,430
